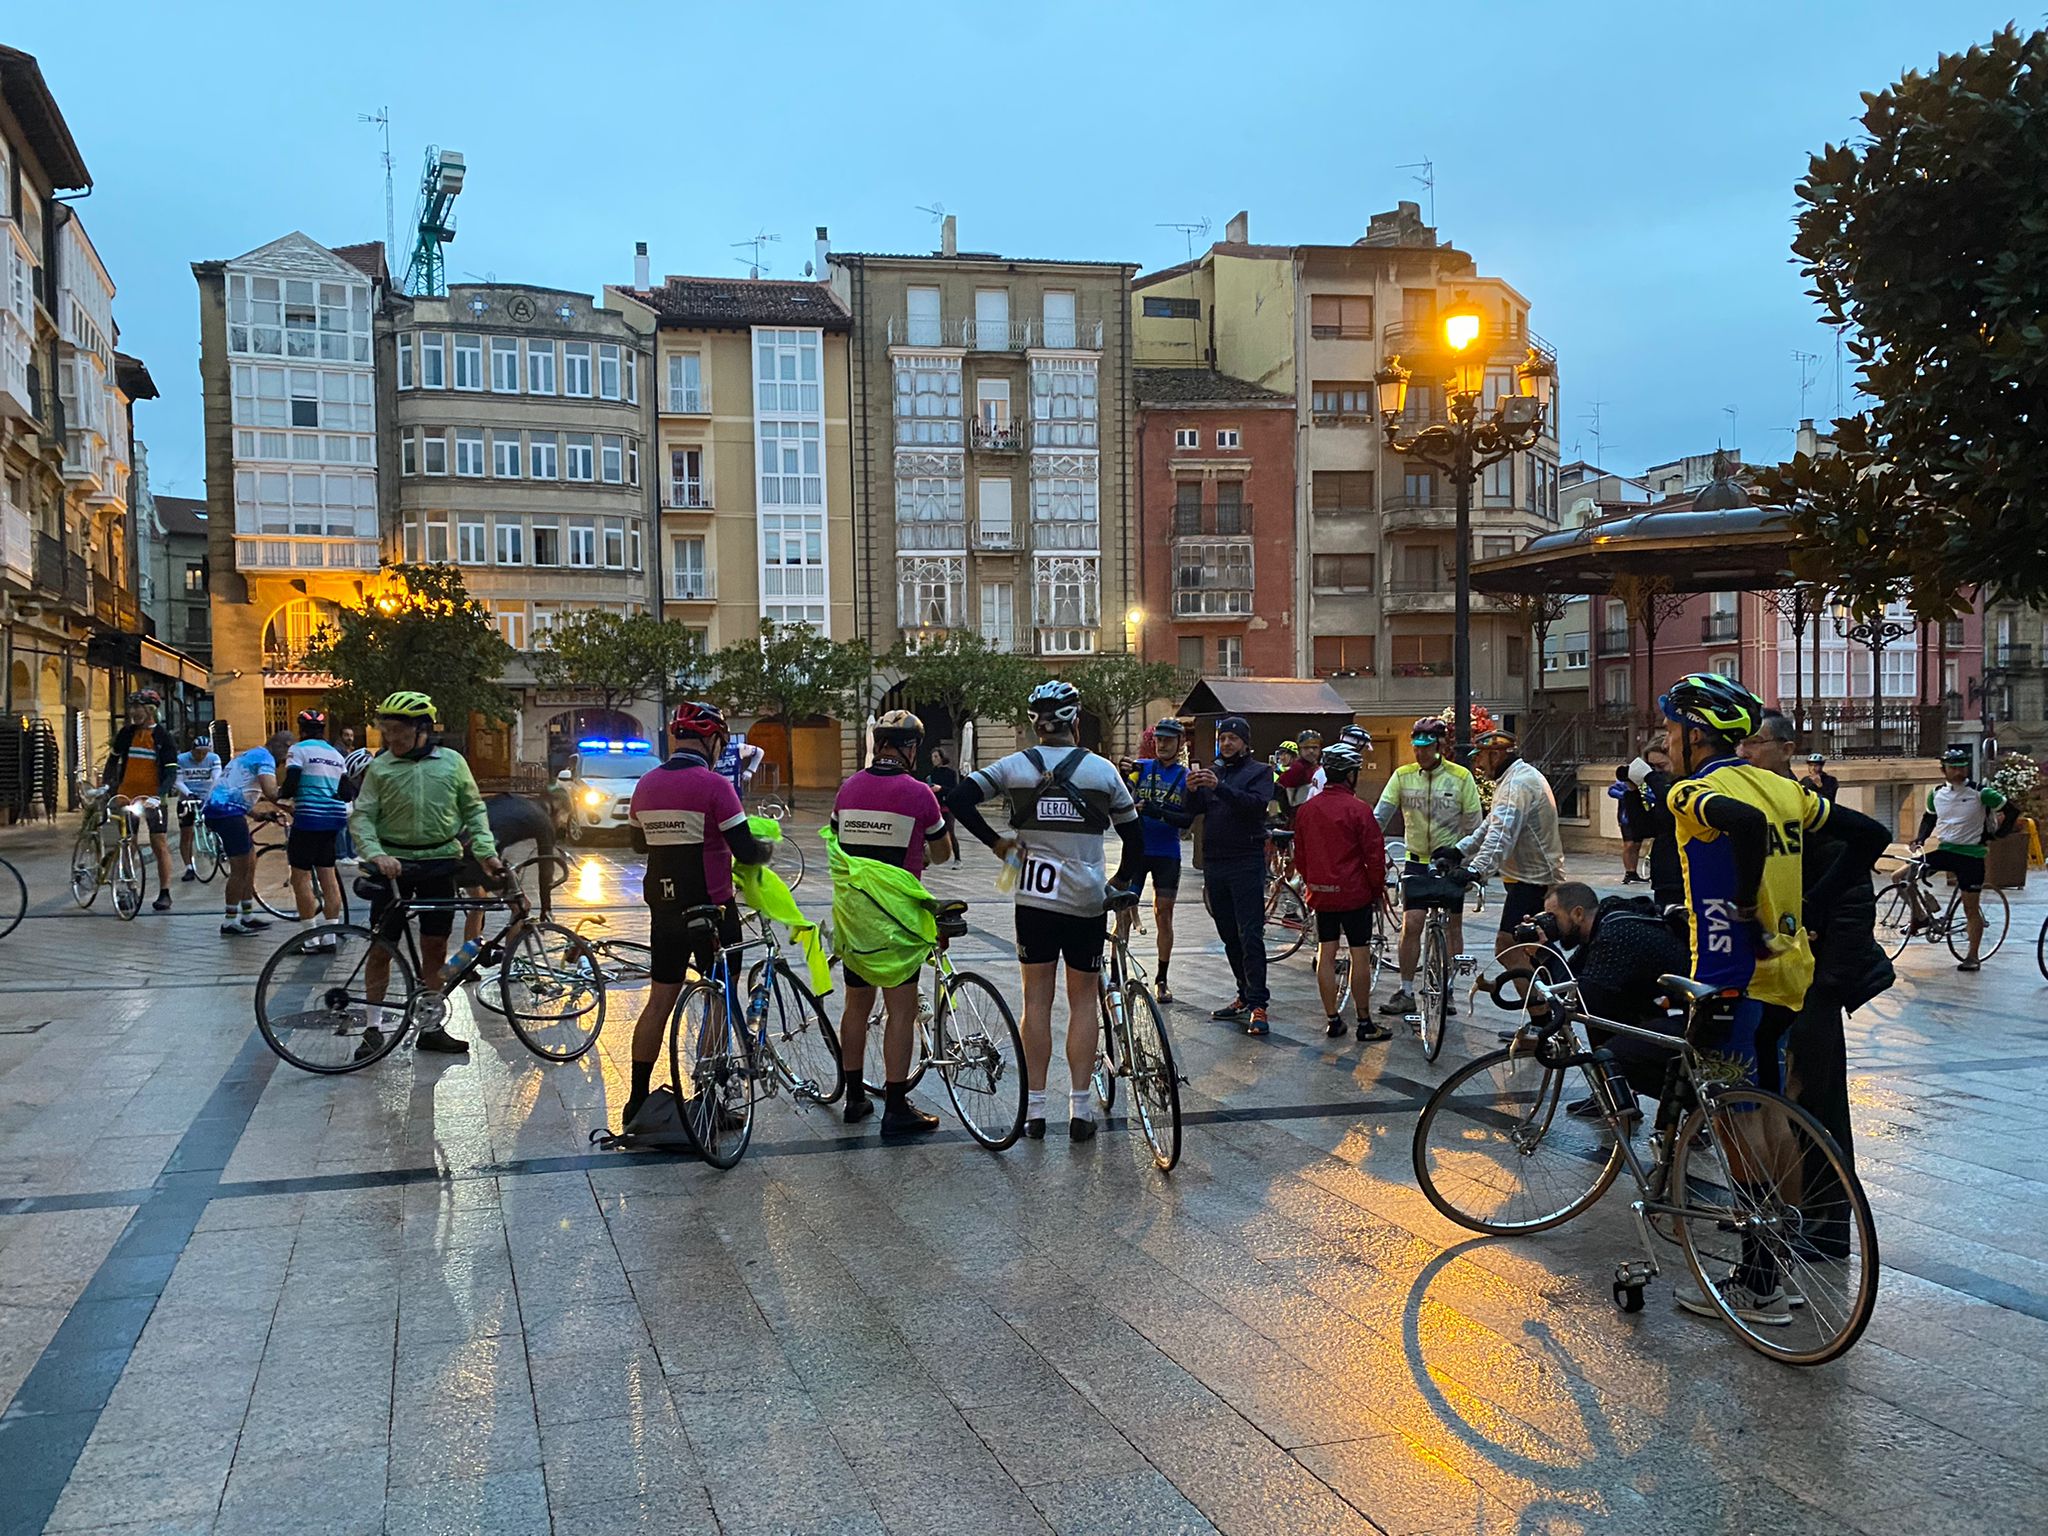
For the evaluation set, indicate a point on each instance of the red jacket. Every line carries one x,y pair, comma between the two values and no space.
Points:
1339,852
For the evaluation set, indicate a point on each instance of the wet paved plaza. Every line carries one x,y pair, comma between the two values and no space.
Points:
238,1298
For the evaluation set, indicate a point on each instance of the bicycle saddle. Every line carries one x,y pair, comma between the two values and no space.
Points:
1118,900
1685,986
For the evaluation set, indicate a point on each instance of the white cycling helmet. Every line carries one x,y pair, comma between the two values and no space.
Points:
358,760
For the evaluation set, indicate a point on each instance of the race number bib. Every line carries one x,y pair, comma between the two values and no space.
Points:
1041,876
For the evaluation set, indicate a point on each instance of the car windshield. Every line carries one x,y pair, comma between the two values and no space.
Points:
615,765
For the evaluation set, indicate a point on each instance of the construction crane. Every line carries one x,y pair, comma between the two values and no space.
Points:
434,221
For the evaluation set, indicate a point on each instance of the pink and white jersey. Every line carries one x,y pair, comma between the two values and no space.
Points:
684,809
887,816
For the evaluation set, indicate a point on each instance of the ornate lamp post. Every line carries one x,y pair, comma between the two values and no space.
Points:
1875,633
1462,447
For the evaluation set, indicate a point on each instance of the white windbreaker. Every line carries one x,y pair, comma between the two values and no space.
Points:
1519,837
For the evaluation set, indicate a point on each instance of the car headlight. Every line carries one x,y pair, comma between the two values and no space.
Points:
593,798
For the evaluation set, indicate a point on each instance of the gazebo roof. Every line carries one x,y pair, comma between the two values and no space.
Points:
1742,549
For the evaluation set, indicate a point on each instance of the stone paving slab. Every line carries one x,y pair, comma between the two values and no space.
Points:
237,1298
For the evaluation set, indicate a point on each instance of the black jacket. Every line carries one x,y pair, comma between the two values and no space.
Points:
1849,966
1234,812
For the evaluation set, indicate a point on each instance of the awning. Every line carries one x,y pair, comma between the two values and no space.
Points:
175,665
1302,698
1734,549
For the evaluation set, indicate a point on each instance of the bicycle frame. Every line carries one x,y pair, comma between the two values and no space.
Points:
405,909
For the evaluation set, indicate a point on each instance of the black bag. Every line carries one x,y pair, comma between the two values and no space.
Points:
1070,809
658,1127
1432,890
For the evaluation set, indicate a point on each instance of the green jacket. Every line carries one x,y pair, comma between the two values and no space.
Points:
420,808
884,922
765,892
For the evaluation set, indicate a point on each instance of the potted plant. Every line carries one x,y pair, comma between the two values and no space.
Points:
2018,778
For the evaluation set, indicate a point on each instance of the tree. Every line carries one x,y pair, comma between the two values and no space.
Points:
792,673
1113,685
616,657
965,676
421,630
1928,241
1536,613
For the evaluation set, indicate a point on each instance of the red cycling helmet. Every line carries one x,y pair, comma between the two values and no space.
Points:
698,721
1430,728
315,717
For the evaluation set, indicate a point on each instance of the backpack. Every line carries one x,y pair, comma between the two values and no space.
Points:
1054,803
658,1127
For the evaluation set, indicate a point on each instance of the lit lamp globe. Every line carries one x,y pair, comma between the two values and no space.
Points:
1462,330
1390,384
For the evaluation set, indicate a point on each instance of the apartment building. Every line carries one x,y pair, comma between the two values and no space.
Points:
519,424
172,532
755,467
993,415
1215,493
1373,595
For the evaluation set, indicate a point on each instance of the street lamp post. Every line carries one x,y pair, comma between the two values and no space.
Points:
1874,633
1462,447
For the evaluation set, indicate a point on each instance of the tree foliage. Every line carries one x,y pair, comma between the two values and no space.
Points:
965,676
616,657
1114,684
791,672
1928,240
422,630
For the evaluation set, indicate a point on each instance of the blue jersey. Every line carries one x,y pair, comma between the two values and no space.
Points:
317,805
235,794
1162,796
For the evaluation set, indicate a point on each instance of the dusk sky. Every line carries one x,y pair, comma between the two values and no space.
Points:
1628,167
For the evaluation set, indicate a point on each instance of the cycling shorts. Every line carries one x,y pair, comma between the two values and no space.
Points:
310,847
1520,900
1968,868
1749,1048
678,948
1165,874
1354,925
232,833
433,880
1045,937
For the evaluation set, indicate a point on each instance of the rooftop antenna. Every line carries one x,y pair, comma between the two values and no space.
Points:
1188,232
936,209
1592,418
1733,413
1808,362
753,263
382,118
1838,370
1427,179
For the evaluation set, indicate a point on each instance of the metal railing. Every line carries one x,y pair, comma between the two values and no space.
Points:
267,552
996,335
1212,519
2010,654
1420,669
991,437
995,536
1614,642
693,586
1081,334
688,402
687,496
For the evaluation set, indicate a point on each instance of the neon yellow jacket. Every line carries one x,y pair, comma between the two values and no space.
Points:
884,921
765,892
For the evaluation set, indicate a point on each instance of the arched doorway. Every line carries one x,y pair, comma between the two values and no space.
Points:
940,729
564,730
291,630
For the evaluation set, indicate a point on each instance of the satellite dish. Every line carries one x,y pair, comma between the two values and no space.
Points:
809,270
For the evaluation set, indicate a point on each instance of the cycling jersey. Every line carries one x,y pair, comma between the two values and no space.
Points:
1060,827
313,771
684,809
1961,813
196,778
739,762
1161,793
887,814
235,792
143,756
417,808
1438,806
1770,960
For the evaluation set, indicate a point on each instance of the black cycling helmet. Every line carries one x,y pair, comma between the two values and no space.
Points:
1712,703
1341,761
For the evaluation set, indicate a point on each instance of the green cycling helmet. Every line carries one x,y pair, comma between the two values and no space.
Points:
407,705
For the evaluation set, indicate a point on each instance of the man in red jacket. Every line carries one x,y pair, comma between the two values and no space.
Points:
1342,860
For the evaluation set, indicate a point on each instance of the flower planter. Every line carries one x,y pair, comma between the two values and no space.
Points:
2005,861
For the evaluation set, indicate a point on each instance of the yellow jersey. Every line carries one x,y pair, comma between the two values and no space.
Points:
1726,953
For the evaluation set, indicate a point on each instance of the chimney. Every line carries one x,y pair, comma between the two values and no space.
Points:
1806,440
824,253
1239,230
640,277
949,237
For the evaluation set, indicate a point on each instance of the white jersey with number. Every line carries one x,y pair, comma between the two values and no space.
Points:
1063,863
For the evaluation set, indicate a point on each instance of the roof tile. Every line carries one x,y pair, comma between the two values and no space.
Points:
734,302
1196,386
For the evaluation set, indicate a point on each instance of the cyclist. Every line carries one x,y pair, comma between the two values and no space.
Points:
1741,831
248,777
1159,784
1062,798
1518,840
1959,817
739,762
198,772
143,765
1817,778
313,772
1439,804
1341,855
416,801
688,817
1231,799
886,812
1303,779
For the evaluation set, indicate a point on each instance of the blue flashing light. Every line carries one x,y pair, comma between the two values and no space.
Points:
602,744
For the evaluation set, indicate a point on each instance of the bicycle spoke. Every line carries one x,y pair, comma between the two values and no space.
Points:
980,1058
320,1010
551,989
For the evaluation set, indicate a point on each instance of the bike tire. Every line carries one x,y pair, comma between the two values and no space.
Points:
551,991
131,880
13,898
1996,925
711,1073
287,1004
786,858
980,1059
85,871
1451,1143
207,859
800,1036
1154,1100
1840,1291
1286,922
2041,949
273,877
1895,920
1436,991
1108,1064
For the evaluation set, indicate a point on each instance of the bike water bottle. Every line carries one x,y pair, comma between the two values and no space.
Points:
471,948
1011,872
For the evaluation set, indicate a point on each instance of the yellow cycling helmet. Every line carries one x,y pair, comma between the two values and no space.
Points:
407,705
1288,746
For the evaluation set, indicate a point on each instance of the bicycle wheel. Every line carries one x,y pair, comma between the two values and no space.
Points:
551,991
1286,921
1771,1203
274,882
1997,914
1895,918
786,858
13,898
980,1059
1108,1053
207,859
314,1006
1495,1151
2041,949
131,879
1154,1108
801,1038
85,869
710,1071
1435,991
874,1073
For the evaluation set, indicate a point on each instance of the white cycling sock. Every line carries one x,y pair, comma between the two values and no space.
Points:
1034,1104
1080,1104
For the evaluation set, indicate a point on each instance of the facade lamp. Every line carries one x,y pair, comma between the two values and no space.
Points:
1391,385
1462,331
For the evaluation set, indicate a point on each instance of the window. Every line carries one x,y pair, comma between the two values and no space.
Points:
1230,655
991,319
1341,398
1497,488
1422,568
1187,437
1192,658
505,455
1069,596
790,472
195,576
611,460
633,546
512,626
542,456
1231,513
576,368
469,543
1063,403
469,362
993,527
405,376
632,462
1518,659
1614,687
433,360
1065,513
511,543
547,544
541,628
1187,508
1341,573
1343,655
931,592
686,478
305,400
581,465
923,327
1228,438
1058,311
928,403
469,451
198,623
1730,667
436,533
540,367
1341,490
409,543
505,365
1340,314
582,544
610,383
1494,546
408,454
685,382
1495,383
1173,309
688,575
793,567
615,546
787,379
1422,655
999,614
632,378
434,453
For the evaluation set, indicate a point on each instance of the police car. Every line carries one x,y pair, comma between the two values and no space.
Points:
600,780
